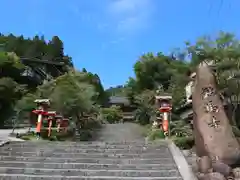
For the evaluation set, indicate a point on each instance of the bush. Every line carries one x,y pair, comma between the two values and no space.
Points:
146,130
44,133
56,136
112,115
85,135
180,129
53,138
26,138
184,142
156,134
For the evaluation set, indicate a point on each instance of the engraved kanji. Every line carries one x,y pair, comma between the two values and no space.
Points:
207,91
214,123
210,107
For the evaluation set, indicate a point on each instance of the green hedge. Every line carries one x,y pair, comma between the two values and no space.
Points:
112,115
56,136
187,142
184,142
156,134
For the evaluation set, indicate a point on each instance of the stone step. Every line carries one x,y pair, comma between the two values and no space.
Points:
163,143
87,172
89,155
73,150
87,160
48,158
59,177
84,146
53,165
69,148
80,145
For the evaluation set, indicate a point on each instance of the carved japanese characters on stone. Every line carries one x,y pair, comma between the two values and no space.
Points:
207,91
211,108
213,132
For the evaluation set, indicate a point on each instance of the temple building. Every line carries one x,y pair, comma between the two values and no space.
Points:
125,105
185,111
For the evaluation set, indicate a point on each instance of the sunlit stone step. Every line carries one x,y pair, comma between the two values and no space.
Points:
54,165
88,160
87,172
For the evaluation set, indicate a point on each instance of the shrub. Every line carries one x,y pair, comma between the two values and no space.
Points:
184,142
26,138
112,114
56,136
156,134
180,129
53,138
44,133
146,130
85,135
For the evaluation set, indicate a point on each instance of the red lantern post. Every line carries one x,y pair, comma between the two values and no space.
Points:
42,107
58,122
51,115
165,107
65,124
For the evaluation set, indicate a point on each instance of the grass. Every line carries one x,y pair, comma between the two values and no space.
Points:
155,134
28,137
186,142
55,136
145,130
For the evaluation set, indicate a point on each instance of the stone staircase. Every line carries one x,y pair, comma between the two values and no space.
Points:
87,160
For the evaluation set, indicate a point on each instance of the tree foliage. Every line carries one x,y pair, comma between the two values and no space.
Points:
38,48
78,93
112,114
223,53
171,73
78,89
69,95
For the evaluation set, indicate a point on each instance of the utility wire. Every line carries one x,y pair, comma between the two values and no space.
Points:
220,7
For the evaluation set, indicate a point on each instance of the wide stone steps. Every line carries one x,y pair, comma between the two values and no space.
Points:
88,160
89,145
87,172
53,165
86,155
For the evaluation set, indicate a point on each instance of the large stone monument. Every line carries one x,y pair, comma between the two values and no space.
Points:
216,146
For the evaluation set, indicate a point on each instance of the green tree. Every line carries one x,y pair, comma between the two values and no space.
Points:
10,91
69,96
223,53
146,110
112,115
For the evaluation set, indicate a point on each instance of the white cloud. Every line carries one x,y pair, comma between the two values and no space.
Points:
130,16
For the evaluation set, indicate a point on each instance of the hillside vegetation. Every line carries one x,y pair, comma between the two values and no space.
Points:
78,94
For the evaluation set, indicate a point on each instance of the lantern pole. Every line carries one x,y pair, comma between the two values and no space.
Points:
170,120
51,115
41,110
165,107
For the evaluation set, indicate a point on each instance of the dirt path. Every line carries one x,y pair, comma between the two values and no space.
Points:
121,132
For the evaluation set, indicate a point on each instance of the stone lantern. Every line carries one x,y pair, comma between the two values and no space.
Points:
164,105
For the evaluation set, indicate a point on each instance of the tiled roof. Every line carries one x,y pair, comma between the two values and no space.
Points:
118,100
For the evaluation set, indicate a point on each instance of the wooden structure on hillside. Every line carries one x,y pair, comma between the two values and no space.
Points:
36,69
125,105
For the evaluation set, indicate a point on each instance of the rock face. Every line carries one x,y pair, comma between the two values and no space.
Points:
213,132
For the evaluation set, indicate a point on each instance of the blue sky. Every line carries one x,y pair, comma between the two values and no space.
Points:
107,36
